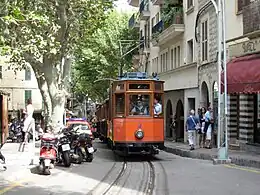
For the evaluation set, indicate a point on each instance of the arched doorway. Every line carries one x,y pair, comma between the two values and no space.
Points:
179,122
169,119
204,95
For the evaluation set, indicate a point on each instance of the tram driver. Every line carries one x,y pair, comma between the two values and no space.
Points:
140,108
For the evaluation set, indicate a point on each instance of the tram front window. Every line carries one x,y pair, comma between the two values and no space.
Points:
139,105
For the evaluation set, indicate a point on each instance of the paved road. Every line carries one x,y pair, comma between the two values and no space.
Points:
168,174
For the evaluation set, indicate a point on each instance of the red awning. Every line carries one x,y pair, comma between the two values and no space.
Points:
243,74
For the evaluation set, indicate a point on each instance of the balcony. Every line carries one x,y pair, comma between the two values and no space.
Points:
133,22
168,28
134,3
251,18
144,10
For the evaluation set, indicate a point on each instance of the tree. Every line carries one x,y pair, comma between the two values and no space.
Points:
100,56
44,34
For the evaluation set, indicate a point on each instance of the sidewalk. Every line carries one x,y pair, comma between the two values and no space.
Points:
240,158
17,163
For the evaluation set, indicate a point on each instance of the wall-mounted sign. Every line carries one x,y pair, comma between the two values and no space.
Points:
244,48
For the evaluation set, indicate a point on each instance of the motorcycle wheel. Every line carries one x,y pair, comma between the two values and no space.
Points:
81,156
90,158
43,169
66,159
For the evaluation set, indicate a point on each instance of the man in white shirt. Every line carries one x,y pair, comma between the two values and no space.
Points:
157,107
29,122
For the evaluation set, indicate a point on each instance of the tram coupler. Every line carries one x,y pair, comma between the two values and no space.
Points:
155,150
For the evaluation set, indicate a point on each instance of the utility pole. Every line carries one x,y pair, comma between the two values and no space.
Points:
222,116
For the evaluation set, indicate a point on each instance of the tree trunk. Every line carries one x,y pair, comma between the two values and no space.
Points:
57,96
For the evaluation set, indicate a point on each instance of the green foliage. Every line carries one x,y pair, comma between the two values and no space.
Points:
169,11
37,31
99,56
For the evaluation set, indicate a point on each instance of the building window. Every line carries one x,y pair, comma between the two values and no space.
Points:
189,3
161,63
179,55
27,95
166,62
1,72
28,75
190,51
204,41
175,57
153,19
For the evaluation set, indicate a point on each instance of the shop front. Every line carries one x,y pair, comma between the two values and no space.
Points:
243,81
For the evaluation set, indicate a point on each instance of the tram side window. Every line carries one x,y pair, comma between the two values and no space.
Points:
120,104
158,109
139,105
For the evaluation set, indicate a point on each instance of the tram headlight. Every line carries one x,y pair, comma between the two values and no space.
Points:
139,134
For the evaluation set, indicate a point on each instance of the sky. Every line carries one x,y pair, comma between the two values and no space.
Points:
122,5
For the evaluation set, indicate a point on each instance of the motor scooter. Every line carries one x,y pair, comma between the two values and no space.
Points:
48,153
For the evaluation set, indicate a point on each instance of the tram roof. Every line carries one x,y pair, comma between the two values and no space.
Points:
138,76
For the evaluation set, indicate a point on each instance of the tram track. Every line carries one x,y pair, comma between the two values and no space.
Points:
119,179
150,180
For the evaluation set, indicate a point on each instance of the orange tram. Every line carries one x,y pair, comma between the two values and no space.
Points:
131,119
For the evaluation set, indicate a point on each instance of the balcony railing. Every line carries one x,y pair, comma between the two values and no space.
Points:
132,21
251,17
144,6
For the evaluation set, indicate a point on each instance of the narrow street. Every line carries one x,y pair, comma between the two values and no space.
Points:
166,174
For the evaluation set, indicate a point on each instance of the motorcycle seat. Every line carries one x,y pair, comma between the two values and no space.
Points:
48,137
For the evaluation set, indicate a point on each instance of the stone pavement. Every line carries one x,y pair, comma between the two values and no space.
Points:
17,162
240,158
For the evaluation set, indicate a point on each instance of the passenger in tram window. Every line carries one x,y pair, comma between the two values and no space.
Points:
157,107
140,108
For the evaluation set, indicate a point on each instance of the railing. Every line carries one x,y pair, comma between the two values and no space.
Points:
144,6
158,28
131,21
251,17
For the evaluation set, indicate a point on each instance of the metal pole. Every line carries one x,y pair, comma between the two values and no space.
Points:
225,74
219,70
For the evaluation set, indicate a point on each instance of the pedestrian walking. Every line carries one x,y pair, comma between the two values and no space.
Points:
29,121
208,127
202,134
192,125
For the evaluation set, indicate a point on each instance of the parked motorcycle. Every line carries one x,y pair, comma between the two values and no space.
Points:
48,153
15,132
53,149
85,139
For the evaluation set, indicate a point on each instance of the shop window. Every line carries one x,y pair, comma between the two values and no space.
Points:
139,105
120,104
158,105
